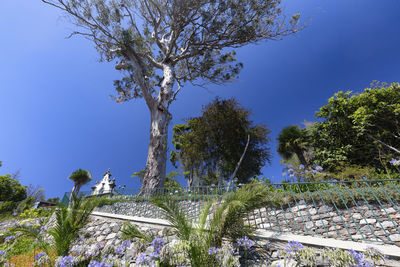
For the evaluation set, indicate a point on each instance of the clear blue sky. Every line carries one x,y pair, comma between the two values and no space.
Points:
56,114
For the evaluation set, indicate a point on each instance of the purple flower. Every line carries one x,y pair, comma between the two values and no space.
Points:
301,167
290,170
18,234
294,246
319,168
120,250
67,261
3,253
126,244
38,256
245,242
213,251
395,162
43,228
157,244
9,238
95,263
143,259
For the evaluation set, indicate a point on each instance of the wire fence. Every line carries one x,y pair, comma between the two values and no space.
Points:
365,210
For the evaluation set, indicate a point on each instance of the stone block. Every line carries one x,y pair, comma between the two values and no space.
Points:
389,210
357,216
369,221
299,207
386,224
111,236
100,238
395,237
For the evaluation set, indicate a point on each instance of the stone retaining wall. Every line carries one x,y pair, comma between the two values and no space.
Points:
363,222
370,222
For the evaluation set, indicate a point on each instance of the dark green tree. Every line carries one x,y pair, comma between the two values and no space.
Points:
159,45
293,141
11,189
11,194
209,147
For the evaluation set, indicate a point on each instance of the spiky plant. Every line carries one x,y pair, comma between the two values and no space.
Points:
130,231
217,221
69,221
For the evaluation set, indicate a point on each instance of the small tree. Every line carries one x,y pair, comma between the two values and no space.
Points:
79,177
293,141
162,44
210,146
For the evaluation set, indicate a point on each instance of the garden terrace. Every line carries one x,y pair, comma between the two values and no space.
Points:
365,210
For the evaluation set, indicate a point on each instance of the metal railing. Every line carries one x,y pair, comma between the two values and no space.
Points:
353,210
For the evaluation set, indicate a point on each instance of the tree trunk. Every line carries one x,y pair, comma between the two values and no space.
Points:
160,118
300,156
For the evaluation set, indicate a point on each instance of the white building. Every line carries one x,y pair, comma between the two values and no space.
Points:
105,186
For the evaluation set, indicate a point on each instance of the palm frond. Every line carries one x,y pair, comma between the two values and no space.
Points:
176,217
130,231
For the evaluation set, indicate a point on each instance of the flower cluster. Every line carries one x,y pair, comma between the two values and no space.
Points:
225,256
359,260
395,162
41,259
294,246
303,172
66,261
95,263
10,238
245,242
150,259
3,253
146,260
157,244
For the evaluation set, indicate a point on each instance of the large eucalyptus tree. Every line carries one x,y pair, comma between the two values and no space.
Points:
160,45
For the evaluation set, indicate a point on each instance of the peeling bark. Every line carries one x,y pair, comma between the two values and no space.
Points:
160,119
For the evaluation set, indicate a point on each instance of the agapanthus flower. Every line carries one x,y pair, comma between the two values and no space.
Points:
245,242
18,234
119,250
213,251
67,261
294,246
9,238
126,244
43,228
3,253
395,162
38,256
301,166
95,263
157,244
144,259
319,168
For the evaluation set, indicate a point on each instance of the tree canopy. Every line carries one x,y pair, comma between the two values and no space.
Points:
11,189
209,147
358,133
159,45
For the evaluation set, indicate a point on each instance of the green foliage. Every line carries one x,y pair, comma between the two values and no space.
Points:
54,200
11,189
293,141
209,147
35,213
130,231
69,221
80,177
225,221
359,128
